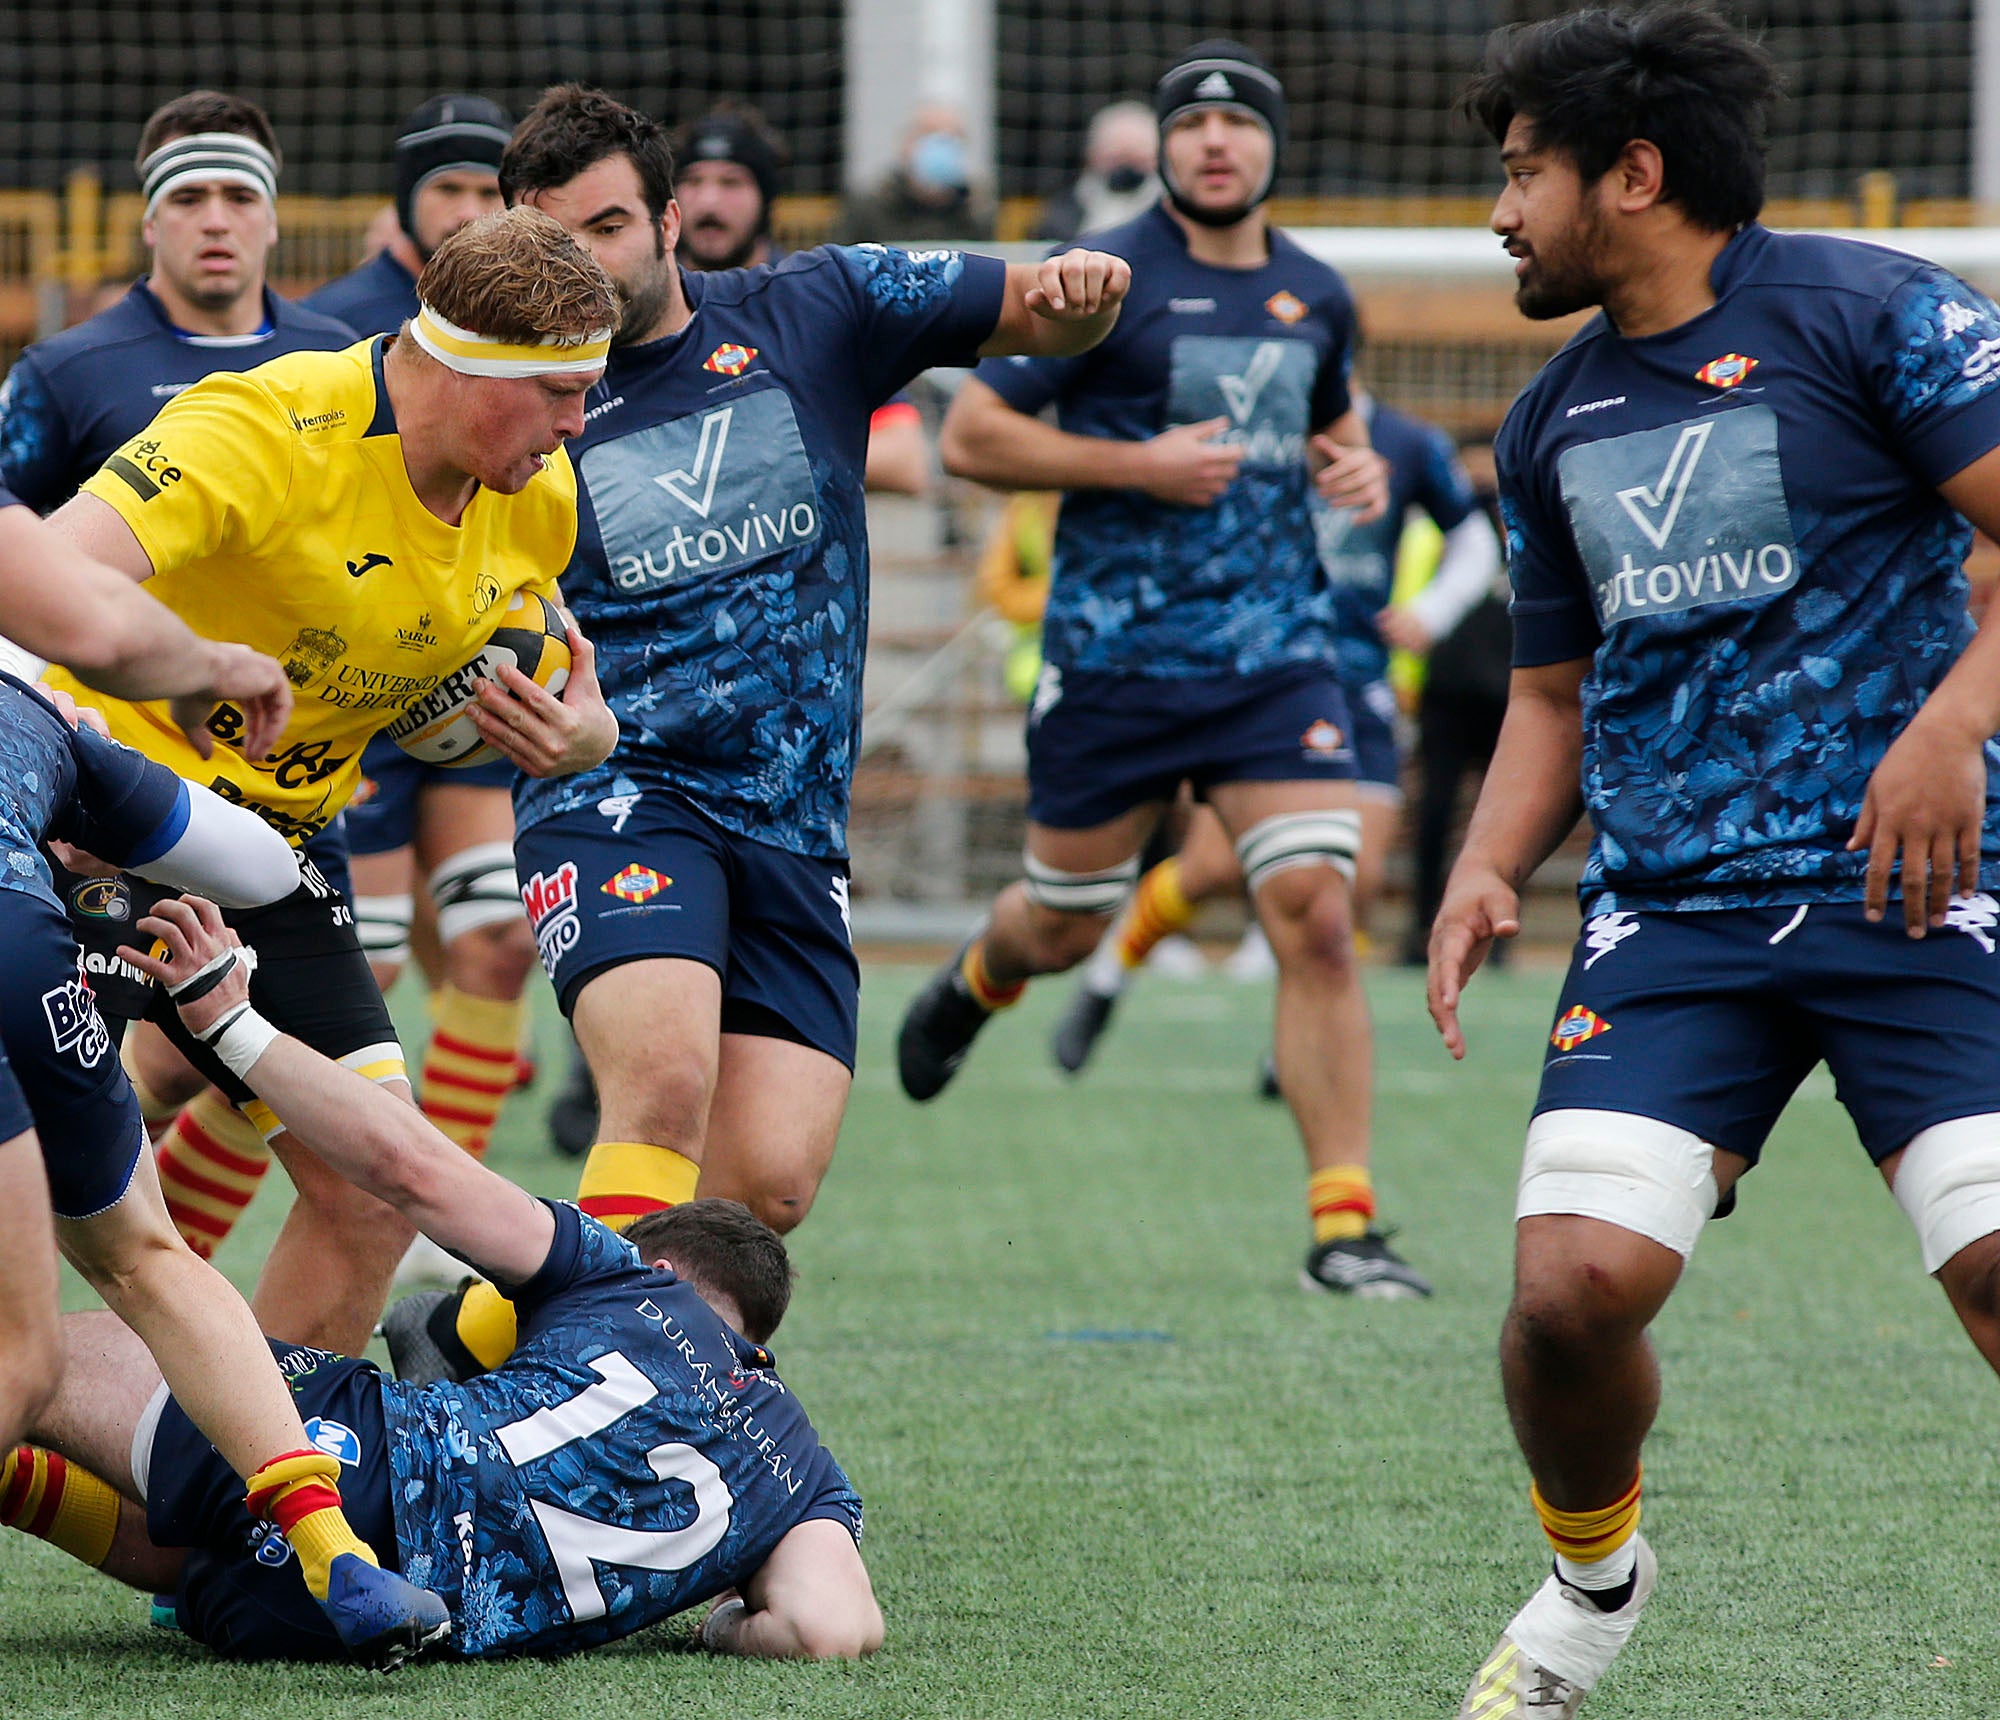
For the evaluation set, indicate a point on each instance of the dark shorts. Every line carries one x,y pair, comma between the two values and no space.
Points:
60,1073
1107,743
387,818
675,883
241,1592
1710,1020
312,981
1378,761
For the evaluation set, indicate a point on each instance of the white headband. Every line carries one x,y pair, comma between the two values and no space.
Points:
472,354
208,157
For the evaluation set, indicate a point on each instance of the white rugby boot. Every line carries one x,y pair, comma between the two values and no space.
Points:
1555,1651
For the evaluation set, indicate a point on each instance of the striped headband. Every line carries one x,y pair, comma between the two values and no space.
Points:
208,157
482,355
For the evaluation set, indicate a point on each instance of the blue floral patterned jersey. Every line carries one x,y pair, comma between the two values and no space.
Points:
1425,473
1144,587
1737,522
721,568
79,396
633,1458
76,786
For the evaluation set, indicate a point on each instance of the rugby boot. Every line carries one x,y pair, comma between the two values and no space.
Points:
423,1348
938,1030
1364,1266
1556,1650
381,1618
1082,1025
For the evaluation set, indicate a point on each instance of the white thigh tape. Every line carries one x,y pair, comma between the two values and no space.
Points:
382,923
1948,1181
1080,892
1291,839
1644,1176
475,888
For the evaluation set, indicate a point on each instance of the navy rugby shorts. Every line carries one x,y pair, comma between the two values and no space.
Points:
1099,745
385,819
653,878
1378,761
60,1073
240,1590
1709,1020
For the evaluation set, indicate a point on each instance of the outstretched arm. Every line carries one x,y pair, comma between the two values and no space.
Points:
374,1140
1060,306
810,1600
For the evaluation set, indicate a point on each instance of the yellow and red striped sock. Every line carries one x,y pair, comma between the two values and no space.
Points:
210,1161
986,991
1159,908
1586,1537
1341,1199
46,1496
300,1492
469,1065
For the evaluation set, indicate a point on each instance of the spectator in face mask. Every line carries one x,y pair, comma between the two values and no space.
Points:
1120,176
928,194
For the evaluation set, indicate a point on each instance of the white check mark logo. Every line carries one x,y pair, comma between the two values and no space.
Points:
1643,504
1241,392
707,466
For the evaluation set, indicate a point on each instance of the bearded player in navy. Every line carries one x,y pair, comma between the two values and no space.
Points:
1190,629
690,897
637,1456
1736,508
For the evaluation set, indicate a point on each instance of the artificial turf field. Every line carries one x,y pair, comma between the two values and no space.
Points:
1117,1463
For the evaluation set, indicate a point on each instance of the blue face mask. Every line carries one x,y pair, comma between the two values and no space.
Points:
938,160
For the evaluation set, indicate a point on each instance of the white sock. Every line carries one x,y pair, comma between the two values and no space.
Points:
1105,973
1600,1574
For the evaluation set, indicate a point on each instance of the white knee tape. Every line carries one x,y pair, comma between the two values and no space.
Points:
383,925
1080,892
1641,1175
1948,1181
1299,839
475,888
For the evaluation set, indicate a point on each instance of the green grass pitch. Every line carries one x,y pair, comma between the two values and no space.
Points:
1118,1464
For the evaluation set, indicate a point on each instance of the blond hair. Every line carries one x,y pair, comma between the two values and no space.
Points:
518,276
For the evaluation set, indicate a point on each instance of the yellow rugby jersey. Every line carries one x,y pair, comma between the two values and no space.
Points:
277,512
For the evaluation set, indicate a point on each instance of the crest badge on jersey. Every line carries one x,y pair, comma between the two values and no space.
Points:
1577,1025
1323,738
635,883
729,359
1286,307
1728,371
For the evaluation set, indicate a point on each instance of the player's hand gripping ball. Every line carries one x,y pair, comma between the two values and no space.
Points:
531,637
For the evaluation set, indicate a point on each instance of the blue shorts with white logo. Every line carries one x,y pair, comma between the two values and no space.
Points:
240,1590
385,819
1378,761
648,876
1099,745
62,1072
1710,1020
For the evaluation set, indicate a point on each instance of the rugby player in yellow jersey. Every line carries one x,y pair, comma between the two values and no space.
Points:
365,517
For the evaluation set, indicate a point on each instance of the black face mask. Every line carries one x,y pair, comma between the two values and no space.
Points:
1124,177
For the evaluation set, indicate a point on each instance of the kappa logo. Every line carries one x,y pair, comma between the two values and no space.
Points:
618,808
1976,916
550,899
1191,307
1646,505
1577,1025
695,487
371,560
1286,307
1048,693
1603,933
729,359
74,1024
635,883
1241,391
1728,371
1215,88
1954,319
837,889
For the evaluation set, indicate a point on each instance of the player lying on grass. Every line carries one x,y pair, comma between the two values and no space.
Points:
72,1144
635,1456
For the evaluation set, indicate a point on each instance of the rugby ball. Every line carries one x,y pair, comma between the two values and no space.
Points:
438,728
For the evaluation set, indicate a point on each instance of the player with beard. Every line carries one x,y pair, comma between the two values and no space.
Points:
1190,629
1736,508
690,896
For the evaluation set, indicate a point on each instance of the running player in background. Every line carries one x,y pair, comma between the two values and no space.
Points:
690,896
1190,629
367,517
73,1147
1425,476
208,163
636,1456
1736,510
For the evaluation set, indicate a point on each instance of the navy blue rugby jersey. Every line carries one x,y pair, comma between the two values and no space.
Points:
721,565
376,298
1144,587
1425,473
1737,522
78,396
632,1458
76,786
